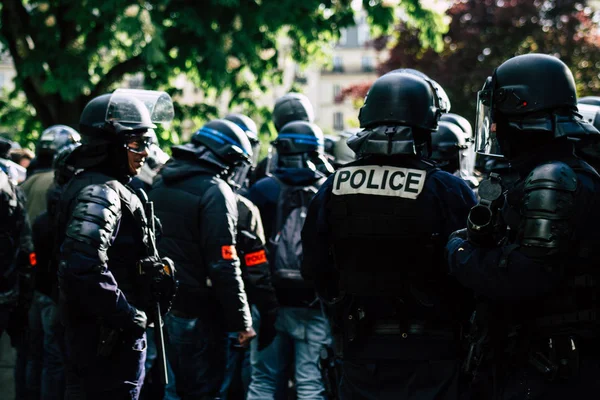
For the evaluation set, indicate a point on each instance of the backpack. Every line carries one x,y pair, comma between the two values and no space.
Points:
285,244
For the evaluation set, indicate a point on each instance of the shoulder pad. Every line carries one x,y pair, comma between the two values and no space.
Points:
100,194
552,175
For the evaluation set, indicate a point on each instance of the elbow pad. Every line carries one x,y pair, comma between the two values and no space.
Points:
93,223
547,208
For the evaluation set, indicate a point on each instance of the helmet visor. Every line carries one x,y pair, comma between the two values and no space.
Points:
134,106
238,176
486,141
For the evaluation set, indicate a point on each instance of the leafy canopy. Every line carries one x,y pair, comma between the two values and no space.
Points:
68,51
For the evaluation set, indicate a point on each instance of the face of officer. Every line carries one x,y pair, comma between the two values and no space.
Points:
137,152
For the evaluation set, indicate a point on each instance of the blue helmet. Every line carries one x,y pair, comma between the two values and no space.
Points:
299,137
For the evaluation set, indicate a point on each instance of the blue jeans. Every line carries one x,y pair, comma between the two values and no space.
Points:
232,379
196,352
45,365
151,354
304,331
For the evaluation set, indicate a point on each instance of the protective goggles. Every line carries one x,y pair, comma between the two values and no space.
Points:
138,144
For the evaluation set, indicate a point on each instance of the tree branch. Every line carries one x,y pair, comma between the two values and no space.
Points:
133,64
15,20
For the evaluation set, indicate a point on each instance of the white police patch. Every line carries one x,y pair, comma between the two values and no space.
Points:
379,181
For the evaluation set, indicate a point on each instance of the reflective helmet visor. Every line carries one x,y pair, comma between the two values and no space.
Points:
486,141
124,107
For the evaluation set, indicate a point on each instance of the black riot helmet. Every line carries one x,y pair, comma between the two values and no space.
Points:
52,140
400,98
400,111
299,137
112,124
249,127
300,144
227,140
528,101
448,145
63,168
223,145
292,107
460,121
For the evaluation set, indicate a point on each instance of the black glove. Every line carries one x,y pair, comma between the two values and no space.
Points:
158,283
266,330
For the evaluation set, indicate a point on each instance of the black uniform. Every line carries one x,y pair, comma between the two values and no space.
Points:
373,244
199,214
533,259
107,255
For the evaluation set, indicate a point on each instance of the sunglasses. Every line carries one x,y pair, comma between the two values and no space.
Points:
138,144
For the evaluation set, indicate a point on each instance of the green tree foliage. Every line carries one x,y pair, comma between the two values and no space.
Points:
68,51
485,33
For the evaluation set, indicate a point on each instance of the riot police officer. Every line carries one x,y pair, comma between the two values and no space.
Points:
251,244
531,249
110,275
199,215
288,108
283,198
453,151
373,245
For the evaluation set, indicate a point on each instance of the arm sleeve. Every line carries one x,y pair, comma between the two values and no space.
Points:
317,262
84,276
253,256
533,263
218,228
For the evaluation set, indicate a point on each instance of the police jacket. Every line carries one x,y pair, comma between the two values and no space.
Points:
199,217
105,235
251,246
265,194
546,265
374,237
16,249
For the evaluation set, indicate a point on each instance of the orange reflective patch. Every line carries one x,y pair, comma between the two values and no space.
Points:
229,252
258,257
32,259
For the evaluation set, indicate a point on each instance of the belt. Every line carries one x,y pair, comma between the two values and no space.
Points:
394,328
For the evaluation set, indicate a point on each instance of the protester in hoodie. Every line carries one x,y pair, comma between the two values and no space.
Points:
282,198
199,217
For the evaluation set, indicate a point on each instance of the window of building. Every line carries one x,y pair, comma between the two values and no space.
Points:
343,37
338,65
367,64
363,34
337,90
338,121
2,80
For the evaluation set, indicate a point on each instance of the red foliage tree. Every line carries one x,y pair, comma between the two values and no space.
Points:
483,34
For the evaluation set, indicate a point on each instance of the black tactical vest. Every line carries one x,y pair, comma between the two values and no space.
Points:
381,237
